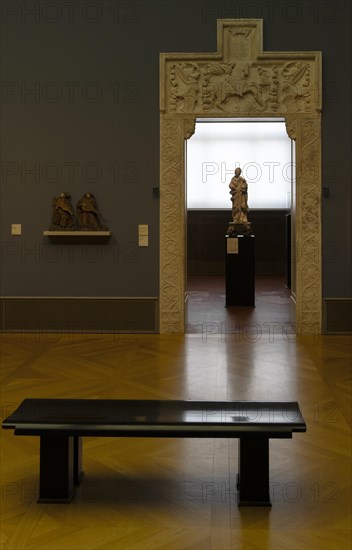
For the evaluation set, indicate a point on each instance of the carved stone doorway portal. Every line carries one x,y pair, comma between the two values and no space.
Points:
240,80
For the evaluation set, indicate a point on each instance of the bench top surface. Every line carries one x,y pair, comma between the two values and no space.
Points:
120,414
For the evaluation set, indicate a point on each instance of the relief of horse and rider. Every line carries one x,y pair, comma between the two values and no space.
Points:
239,86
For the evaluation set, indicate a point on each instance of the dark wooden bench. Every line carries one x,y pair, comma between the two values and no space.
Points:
61,424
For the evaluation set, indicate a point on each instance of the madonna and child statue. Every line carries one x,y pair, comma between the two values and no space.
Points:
239,198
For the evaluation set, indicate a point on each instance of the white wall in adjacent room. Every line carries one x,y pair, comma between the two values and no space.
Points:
261,148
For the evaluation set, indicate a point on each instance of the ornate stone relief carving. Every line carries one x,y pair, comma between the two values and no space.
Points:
309,285
171,225
291,127
189,127
218,88
306,133
240,80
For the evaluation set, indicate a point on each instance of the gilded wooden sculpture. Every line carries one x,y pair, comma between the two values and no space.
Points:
88,216
239,198
63,215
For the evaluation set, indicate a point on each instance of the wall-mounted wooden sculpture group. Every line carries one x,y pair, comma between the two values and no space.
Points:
87,217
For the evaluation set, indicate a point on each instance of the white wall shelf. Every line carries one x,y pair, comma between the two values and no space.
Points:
77,233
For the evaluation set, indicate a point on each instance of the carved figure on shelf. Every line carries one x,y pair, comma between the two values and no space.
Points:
239,198
88,214
63,214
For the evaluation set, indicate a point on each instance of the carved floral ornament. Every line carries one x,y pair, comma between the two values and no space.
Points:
240,80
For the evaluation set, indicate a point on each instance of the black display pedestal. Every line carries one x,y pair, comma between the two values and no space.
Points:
288,251
240,270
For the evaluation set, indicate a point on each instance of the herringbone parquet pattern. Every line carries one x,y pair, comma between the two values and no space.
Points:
173,494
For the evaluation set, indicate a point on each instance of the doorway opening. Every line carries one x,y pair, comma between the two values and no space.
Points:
240,80
266,156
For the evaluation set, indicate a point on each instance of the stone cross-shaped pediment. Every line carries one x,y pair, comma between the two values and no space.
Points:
240,78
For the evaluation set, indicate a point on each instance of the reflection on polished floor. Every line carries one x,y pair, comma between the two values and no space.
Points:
173,494
274,310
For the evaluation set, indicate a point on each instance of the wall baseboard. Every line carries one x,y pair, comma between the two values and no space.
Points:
119,315
337,315
79,314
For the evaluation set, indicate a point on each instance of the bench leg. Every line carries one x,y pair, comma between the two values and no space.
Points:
56,468
253,468
77,460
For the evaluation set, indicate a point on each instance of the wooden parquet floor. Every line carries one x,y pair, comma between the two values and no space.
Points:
173,494
274,310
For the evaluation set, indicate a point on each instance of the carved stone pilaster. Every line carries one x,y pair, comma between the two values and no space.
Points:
172,225
308,225
240,80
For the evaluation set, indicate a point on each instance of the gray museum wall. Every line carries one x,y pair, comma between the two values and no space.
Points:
80,112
